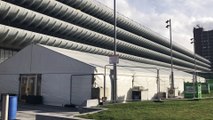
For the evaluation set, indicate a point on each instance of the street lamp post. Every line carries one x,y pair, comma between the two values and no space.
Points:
194,72
169,25
115,49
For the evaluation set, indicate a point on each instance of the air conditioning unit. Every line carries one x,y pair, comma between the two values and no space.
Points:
172,92
138,92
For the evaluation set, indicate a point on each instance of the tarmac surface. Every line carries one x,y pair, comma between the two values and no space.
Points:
31,112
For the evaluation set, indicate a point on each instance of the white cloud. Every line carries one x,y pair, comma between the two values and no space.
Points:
185,15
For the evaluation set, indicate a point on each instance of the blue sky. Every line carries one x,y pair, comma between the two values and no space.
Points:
185,15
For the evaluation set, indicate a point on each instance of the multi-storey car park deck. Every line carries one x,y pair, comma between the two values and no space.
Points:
85,26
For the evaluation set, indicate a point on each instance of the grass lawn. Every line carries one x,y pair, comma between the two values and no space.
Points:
208,95
168,110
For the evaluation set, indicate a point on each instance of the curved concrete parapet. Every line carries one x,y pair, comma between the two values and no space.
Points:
42,23
73,16
22,37
101,11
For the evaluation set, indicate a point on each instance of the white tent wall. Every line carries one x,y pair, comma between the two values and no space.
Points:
124,85
9,84
99,82
81,89
201,79
147,78
164,84
55,89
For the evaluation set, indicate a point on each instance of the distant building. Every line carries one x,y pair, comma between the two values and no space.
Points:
204,43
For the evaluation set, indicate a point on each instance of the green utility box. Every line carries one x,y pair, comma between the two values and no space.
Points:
210,82
189,90
205,88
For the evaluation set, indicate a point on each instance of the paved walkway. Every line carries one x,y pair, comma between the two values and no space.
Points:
29,112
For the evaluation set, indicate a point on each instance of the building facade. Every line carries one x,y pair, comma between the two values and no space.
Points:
204,43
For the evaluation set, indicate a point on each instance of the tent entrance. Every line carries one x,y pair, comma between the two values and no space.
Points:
30,85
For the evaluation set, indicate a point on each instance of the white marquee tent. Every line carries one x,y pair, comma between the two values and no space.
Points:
63,76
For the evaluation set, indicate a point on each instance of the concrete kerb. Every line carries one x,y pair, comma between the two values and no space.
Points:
47,117
97,110
83,111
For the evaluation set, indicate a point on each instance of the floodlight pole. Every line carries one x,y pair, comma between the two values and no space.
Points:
158,85
194,73
169,24
115,49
